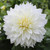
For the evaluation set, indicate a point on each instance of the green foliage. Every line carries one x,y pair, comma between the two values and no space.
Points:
5,44
47,11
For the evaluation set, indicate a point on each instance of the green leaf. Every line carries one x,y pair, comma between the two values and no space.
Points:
7,5
3,12
47,11
48,32
48,24
1,4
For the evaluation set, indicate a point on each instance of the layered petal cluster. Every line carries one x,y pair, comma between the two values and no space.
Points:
24,25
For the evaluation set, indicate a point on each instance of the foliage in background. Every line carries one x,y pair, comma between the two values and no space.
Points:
5,5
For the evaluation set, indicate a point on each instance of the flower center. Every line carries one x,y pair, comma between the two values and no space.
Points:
24,22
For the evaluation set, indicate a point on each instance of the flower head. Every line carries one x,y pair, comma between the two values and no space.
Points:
24,25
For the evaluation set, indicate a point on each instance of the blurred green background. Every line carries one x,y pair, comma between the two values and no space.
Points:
5,43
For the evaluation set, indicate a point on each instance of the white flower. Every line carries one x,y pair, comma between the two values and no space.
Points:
24,25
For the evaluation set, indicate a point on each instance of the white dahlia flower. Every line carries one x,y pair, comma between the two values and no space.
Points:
24,25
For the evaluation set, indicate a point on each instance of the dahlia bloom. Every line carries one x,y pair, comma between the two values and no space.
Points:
24,25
